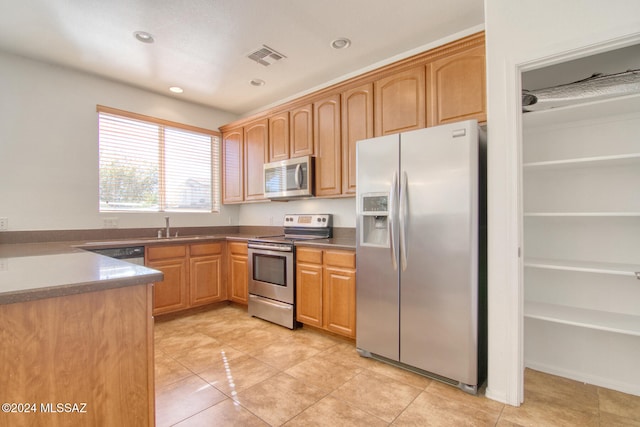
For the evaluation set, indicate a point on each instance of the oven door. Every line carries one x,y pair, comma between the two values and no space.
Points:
271,274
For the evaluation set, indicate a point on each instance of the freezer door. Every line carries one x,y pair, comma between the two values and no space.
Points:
439,211
377,315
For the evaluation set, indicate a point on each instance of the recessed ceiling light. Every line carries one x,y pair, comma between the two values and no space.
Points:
176,89
257,82
143,36
341,43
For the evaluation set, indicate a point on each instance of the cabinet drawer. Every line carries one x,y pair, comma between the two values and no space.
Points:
344,259
313,256
165,252
200,249
239,248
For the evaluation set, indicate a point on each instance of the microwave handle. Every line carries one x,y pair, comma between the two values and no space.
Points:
298,178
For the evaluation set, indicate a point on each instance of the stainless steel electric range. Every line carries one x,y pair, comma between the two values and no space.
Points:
272,267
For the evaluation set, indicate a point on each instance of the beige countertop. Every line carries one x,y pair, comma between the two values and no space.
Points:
30,271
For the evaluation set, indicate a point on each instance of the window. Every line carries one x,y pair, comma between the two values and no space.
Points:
152,165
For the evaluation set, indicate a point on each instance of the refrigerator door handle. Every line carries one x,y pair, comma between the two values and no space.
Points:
404,188
392,213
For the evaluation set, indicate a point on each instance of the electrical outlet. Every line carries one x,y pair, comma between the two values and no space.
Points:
4,224
111,222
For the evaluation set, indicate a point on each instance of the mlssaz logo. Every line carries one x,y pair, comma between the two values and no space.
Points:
80,408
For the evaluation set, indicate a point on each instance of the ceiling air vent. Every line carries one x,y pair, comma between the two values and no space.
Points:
265,56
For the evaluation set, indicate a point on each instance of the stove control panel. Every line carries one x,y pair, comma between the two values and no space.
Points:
308,220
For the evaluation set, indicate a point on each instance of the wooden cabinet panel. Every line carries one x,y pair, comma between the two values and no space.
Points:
205,280
94,348
326,133
238,280
340,303
233,166
301,131
400,102
326,291
309,294
345,259
193,275
309,255
201,249
255,155
279,137
357,124
166,252
457,87
170,294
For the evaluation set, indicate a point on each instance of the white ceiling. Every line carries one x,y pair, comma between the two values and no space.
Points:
201,45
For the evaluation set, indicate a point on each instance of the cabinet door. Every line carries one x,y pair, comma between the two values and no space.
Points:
357,124
301,131
238,276
400,102
255,155
457,87
232,166
340,301
279,137
205,280
309,294
170,294
326,133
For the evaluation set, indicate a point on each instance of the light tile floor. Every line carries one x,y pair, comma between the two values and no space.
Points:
220,367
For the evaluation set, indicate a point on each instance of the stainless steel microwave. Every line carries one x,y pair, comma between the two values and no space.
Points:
289,178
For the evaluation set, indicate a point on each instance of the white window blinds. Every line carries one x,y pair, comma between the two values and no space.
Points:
152,165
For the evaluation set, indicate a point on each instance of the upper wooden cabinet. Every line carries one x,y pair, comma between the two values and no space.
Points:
256,144
232,166
400,102
279,137
443,85
326,133
301,131
456,87
357,124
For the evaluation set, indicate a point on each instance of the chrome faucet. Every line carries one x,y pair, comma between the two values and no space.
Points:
168,233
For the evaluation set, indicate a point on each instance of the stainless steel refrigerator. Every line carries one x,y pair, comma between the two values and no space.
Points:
421,240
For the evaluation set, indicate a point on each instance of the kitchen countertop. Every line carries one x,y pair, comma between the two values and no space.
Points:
343,243
46,275
30,271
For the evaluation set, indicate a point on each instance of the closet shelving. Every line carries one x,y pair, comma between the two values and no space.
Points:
581,194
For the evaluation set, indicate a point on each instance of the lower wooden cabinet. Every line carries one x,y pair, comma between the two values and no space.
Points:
326,289
206,282
238,277
193,275
170,294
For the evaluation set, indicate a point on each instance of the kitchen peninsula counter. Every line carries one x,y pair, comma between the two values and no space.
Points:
77,338
44,270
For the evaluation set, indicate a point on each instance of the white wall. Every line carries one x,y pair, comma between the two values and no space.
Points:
49,146
520,33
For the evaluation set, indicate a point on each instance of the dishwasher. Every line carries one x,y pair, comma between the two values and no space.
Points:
132,254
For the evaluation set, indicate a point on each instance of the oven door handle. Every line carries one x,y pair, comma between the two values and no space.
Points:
268,248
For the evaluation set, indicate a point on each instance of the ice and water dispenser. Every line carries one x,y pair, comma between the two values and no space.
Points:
374,220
